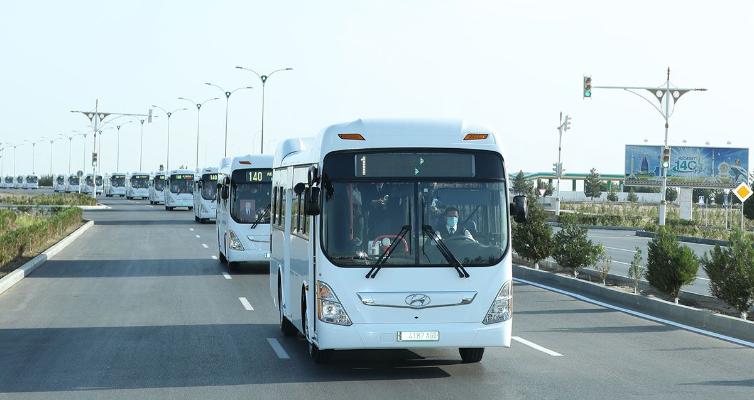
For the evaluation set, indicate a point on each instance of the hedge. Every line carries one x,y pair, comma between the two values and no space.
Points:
31,239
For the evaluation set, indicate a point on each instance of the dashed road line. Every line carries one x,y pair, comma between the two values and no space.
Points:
227,276
205,245
191,229
536,346
245,303
619,249
278,349
197,236
214,257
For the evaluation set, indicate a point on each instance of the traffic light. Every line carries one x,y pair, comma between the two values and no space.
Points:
666,157
587,86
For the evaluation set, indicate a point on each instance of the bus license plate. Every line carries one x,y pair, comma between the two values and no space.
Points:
431,336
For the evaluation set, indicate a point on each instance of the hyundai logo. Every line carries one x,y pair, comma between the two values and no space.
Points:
418,300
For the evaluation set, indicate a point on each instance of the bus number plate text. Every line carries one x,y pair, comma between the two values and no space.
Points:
430,336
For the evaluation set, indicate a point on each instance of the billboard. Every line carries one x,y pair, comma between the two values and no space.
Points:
691,167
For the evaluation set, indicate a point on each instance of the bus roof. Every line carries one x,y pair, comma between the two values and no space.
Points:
385,133
118,173
181,172
244,162
208,170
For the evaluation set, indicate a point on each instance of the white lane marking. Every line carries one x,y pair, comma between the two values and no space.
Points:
536,346
278,349
191,229
245,303
214,257
227,276
618,248
205,245
639,314
197,236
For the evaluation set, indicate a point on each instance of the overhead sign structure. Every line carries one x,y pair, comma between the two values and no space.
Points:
688,166
743,192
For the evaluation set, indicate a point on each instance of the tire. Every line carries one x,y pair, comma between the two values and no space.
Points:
315,353
288,329
221,257
471,355
168,208
196,219
233,265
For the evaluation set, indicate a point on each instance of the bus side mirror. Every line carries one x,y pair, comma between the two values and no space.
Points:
311,201
299,188
225,193
313,175
520,209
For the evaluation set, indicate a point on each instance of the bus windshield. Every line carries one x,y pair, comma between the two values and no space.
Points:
31,179
118,180
159,183
181,183
250,193
139,181
99,180
73,180
209,186
60,180
460,206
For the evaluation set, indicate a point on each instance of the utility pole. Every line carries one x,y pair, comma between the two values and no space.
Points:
565,124
96,118
664,95
263,78
199,105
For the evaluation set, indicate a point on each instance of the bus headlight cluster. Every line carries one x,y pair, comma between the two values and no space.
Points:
235,242
329,309
500,310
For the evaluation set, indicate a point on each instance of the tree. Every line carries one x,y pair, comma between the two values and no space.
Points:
749,208
573,250
671,194
533,239
45,180
731,272
521,185
669,264
612,195
636,269
604,262
632,197
592,184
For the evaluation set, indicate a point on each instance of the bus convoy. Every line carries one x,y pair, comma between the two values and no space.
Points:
374,240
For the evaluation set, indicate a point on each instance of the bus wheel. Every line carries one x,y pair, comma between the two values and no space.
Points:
221,257
288,329
315,353
471,355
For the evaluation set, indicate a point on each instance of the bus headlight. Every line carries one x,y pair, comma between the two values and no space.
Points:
329,309
500,310
235,242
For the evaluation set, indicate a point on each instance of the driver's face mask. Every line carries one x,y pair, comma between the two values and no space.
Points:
452,221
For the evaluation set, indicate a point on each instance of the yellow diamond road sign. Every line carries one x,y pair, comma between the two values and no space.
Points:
743,191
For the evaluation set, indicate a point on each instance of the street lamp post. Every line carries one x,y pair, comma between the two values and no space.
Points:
663,94
565,124
227,104
117,157
263,78
198,105
168,114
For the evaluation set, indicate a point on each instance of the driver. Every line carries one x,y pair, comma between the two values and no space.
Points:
451,228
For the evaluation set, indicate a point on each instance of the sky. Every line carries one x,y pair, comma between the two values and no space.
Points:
512,65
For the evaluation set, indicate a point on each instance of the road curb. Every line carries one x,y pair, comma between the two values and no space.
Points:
600,227
25,270
687,239
685,315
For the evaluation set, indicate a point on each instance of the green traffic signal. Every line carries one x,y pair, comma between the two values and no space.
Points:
587,86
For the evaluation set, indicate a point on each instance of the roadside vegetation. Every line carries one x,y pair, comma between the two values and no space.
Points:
58,199
731,272
24,235
670,265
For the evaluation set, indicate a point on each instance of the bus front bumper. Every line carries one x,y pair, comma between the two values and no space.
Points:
385,336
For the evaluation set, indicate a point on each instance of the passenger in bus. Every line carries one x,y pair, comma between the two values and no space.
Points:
451,229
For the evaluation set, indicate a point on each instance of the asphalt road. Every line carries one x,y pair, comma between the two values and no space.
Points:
138,308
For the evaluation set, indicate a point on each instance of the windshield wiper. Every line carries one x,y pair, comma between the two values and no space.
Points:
445,251
388,252
261,215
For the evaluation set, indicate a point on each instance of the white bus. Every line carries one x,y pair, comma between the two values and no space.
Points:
179,190
116,185
137,186
243,218
19,182
393,234
157,188
8,182
59,185
72,184
89,183
205,195
31,182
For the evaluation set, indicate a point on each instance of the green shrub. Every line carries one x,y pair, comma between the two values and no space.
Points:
731,272
30,238
636,269
533,239
632,197
573,250
669,264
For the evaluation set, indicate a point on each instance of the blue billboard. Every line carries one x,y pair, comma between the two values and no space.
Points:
694,167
